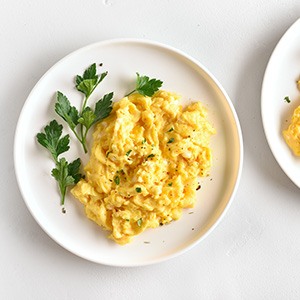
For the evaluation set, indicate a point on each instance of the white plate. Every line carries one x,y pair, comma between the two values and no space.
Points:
280,81
123,58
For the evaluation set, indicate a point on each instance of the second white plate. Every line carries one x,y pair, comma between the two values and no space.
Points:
280,78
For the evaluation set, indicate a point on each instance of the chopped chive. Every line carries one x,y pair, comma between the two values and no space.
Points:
139,222
117,180
170,184
287,99
108,153
138,190
128,152
143,141
171,140
150,155
171,129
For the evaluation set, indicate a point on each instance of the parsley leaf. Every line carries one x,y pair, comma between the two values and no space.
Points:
287,99
146,86
51,139
64,109
87,118
103,107
73,170
89,80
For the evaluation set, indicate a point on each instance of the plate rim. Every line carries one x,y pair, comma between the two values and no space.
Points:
236,125
277,48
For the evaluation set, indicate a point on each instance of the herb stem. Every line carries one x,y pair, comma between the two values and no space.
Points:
62,195
83,141
130,93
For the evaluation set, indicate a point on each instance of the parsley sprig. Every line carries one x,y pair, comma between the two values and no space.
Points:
86,117
66,174
146,86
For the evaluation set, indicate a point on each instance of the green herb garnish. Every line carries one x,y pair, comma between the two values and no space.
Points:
146,86
86,117
138,190
150,155
170,184
139,222
117,180
287,99
128,152
171,140
66,174
143,141
171,129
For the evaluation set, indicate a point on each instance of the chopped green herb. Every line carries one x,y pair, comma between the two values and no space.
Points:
117,180
127,220
170,184
143,141
108,153
138,190
287,99
171,129
171,140
150,155
128,152
139,222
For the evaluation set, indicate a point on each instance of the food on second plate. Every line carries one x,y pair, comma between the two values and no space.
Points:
292,133
144,164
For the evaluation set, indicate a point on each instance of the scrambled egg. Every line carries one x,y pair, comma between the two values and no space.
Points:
144,164
292,134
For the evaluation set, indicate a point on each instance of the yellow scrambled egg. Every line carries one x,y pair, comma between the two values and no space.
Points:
292,134
144,164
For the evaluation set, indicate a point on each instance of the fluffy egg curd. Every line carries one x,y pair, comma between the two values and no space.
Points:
144,164
292,133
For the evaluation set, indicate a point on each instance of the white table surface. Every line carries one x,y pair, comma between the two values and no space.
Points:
255,251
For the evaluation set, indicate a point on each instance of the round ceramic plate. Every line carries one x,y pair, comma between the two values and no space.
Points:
122,59
280,78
